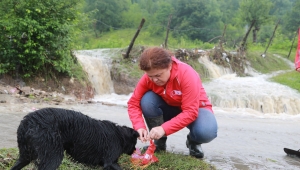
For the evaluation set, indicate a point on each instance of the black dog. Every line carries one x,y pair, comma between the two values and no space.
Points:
45,134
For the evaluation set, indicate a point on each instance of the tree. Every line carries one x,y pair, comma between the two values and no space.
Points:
234,31
280,8
229,8
197,19
160,18
132,17
36,36
257,12
108,14
292,18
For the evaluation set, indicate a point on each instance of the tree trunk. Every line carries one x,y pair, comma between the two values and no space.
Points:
242,48
254,36
255,30
222,38
263,55
95,29
132,41
292,44
168,28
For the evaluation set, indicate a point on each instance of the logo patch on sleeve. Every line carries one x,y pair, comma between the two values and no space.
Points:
176,92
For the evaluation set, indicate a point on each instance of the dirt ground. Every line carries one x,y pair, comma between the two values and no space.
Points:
49,89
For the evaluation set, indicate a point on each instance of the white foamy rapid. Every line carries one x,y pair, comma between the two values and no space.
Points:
242,95
257,118
214,70
95,63
255,93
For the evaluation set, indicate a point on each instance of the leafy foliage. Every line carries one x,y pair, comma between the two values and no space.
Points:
108,12
192,15
37,36
192,20
257,12
292,18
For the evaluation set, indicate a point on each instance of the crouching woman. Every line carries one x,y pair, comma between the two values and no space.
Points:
170,97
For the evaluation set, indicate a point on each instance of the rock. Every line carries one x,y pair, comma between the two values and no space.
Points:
26,90
58,99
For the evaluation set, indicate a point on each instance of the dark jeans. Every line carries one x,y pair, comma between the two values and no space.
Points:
203,130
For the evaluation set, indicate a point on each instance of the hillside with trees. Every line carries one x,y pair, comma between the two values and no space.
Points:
38,38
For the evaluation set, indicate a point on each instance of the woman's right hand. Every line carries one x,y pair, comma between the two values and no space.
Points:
143,134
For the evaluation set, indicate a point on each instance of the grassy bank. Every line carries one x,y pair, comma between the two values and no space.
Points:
122,39
268,64
272,63
291,79
167,161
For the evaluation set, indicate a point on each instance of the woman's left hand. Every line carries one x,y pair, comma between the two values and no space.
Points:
156,133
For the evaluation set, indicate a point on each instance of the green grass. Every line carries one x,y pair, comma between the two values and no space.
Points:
122,39
267,64
291,79
271,63
167,161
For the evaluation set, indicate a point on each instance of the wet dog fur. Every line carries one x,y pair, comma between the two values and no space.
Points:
45,134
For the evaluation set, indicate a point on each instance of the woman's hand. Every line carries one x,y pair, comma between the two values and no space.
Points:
143,134
298,69
156,133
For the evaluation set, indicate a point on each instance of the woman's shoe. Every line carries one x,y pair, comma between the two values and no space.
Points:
194,147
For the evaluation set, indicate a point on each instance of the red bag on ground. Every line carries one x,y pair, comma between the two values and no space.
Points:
144,160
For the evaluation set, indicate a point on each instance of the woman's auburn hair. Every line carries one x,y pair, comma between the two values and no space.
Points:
155,58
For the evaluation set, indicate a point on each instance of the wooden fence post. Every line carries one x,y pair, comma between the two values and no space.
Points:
133,39
264,54
168,28
292,44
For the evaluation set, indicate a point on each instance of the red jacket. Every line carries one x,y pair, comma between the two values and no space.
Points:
297,58
184,89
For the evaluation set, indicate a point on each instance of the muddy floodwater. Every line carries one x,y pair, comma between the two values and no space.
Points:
256,117
245,141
